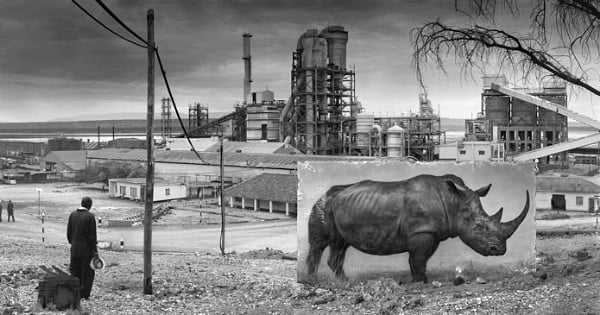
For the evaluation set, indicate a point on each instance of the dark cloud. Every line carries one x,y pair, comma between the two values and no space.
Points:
54,60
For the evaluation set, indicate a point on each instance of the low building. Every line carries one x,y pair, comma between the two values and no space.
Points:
127,143
66,164
472,151
270,192
135,189
175,165
15,148
571,193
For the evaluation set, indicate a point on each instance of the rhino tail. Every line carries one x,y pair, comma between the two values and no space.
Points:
318,234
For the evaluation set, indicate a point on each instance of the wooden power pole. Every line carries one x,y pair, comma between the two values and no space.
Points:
149,160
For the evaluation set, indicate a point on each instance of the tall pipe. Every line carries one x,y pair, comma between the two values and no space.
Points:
247,66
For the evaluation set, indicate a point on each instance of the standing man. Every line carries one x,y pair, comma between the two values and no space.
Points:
81,234
0,210
10,210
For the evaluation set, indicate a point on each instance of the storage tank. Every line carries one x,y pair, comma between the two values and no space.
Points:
364,123
549,118
305,44
337,38
523,113
497,109
395,141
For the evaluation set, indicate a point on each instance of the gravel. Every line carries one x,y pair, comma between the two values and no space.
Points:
264,282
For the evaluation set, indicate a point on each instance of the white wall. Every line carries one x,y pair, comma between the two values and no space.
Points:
543,200
448,151
472,148
115,190
176,191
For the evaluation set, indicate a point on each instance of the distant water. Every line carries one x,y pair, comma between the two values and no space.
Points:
83,137
452,134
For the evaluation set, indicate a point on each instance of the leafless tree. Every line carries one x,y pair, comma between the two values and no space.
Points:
563,40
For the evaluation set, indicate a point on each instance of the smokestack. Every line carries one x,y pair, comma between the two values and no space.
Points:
247,66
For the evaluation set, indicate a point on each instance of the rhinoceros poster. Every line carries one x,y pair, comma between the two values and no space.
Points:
361,220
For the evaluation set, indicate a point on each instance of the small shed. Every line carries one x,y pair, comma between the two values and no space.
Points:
566,193
272,192
135,189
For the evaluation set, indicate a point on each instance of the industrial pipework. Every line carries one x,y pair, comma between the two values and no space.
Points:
323,96
247,66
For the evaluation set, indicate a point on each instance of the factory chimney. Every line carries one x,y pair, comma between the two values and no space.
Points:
247,66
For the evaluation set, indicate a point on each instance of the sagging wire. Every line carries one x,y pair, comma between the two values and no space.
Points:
116,18
164,76
163,72
106,27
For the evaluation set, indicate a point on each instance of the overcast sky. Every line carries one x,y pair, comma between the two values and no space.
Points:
58,64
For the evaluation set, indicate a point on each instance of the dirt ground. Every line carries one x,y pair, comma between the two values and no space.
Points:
57,200
564,280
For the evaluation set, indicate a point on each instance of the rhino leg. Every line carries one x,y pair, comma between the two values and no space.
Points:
318,236
337,253
420,247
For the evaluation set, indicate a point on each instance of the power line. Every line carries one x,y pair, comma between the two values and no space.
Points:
163,72
106,27
164,75
116,18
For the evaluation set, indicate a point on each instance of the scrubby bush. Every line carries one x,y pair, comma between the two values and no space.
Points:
95,173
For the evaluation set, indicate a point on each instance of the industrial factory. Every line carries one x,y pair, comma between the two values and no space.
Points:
322,120
322,115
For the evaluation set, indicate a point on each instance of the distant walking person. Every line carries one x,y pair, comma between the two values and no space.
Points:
11,212
81,234
0,210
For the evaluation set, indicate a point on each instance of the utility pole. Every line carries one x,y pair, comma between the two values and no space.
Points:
149,160
222,170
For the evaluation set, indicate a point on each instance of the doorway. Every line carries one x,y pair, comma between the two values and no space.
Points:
558,202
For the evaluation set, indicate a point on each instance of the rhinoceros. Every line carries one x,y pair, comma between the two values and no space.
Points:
414,216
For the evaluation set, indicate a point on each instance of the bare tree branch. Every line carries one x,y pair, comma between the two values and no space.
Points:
476,45
563,39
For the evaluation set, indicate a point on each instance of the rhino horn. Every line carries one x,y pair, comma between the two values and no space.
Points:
497,217
508,228
483,191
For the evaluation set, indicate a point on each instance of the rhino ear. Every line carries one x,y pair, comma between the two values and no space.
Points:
483,191
455,187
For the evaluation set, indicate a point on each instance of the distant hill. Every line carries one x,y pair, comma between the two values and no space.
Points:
130,116
139,126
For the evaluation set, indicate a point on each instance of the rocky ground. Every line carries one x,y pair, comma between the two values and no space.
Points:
567,280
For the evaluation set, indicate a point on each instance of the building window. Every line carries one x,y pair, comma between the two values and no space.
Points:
133,192
481,152
579,200
462,152
167,191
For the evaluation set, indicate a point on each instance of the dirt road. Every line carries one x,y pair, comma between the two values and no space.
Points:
279,234
239,237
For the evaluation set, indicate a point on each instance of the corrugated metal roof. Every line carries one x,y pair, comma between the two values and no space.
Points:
66,156
142,181
566,184
267,186
90,145
75,166
118,154
284,161
246,147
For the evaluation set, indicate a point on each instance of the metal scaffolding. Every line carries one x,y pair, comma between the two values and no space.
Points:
322,101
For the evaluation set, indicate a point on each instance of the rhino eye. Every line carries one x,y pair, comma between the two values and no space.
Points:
481,226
